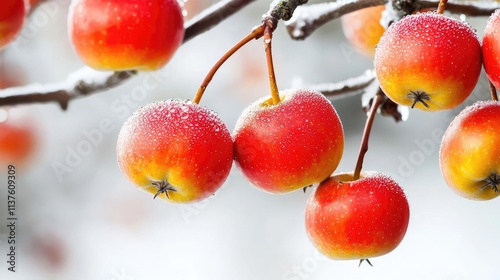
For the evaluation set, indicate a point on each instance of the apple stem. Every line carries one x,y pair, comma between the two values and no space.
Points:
268,36
379,98
441,6
493,91
256,33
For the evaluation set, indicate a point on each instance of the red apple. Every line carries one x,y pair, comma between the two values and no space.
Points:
17,137
33,3
125,34
285,147
357,219
177,150
491,48
363,30
428,61
469,154
12,14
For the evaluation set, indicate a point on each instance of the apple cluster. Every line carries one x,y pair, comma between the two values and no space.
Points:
433,62
182,152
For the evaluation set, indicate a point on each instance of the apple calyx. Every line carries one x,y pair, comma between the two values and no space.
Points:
492,181
306,187
163,187
367,260
419,96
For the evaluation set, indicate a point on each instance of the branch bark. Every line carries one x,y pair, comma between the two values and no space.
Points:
346,88
212,16
86,81
308,19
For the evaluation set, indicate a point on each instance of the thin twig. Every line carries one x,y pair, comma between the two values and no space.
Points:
83,82
379,98
493,92
347,87
441,6
473,8
268,37
308,19
254,34
212,16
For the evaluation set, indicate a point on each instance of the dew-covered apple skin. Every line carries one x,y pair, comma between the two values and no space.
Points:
470,153
125,34
179,142
491,48
358,219
284,147
12,14
430,53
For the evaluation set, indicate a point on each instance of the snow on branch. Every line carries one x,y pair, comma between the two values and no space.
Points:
472,8
307,19
212,16
80,83
347,87
87,81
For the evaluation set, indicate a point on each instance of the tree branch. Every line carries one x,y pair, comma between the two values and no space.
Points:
86,81
473,8
308,19
80,83
212,16
346,88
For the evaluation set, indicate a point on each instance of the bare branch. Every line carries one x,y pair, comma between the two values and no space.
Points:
347,87
473,8
81,83
309,18
212,16
86,81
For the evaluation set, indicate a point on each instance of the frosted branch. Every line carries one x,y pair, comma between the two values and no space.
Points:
346,88
308,19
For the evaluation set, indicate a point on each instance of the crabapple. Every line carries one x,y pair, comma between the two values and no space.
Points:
125,34
357,219
284,147
363,30
12,14
491,48
177,150
17,136
428,61
469,156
